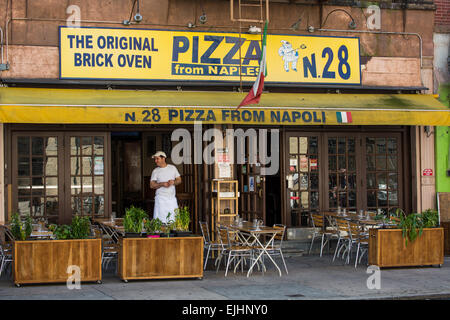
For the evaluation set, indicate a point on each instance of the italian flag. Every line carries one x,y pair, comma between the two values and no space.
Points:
344,117
257,89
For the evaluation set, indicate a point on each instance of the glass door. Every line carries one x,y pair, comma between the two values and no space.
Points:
87,178
303,177
57,175
36,169
342,172
383,173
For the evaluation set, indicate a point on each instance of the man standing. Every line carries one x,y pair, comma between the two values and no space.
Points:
164,179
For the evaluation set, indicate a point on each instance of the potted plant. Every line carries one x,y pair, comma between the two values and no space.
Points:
412,225
80,228
133,221
168,227
153,227
416,237
182,220
21,230
71,247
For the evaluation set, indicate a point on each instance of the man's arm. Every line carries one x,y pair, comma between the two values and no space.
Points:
156,185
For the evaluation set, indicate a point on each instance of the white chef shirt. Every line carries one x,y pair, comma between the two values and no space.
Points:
170,172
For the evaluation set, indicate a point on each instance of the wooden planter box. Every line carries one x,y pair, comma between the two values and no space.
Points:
387,248
46,261
157,258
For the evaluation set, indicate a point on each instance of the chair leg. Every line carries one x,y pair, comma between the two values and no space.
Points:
321,244
336,250
343,245
219,260
1,266
363,251
357,253
284,262
207,255
228,264
349,251
312,241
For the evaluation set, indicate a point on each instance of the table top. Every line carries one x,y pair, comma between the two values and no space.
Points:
354,217
111,224
248,227
41,234
34,233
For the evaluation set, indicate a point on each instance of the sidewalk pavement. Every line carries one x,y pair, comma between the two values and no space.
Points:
310,278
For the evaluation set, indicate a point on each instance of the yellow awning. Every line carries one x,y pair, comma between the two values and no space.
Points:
91,106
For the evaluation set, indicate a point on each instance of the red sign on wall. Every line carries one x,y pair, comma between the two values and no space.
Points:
427,172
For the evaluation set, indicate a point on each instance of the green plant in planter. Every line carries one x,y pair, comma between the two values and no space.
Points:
80,227
411,225
182,219
21,230
62,232
133,220
430,218
169,225
153,225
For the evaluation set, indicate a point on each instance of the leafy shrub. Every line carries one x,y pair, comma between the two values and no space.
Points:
182,219
21,230
412,225
430,218
132,222
153,225
80,228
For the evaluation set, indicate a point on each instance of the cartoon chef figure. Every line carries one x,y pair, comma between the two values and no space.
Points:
289,55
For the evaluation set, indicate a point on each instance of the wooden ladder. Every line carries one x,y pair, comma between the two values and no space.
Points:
263,6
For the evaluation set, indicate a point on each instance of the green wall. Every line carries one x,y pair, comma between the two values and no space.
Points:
442,145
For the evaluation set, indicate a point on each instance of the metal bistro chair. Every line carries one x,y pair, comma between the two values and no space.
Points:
232,249
326,234
110,252
5,258
363,243
343,236
348,232
209,244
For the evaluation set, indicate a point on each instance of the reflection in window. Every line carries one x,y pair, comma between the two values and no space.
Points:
342,172
382,175
37,171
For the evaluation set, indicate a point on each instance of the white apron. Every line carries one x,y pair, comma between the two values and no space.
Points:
164,205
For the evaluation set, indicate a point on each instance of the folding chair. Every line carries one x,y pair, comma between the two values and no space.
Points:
232,249
326,234
209,245
5,258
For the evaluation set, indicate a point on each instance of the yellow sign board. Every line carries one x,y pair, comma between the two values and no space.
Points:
210,115
140,54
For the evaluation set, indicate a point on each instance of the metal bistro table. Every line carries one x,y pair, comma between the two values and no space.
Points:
111,228
369,221
254,235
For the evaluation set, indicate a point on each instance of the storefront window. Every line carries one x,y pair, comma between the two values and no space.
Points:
37,176
87,175
342,173
361,171
303,177
382,174
56,175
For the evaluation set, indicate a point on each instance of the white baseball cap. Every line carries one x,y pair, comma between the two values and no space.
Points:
159,154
